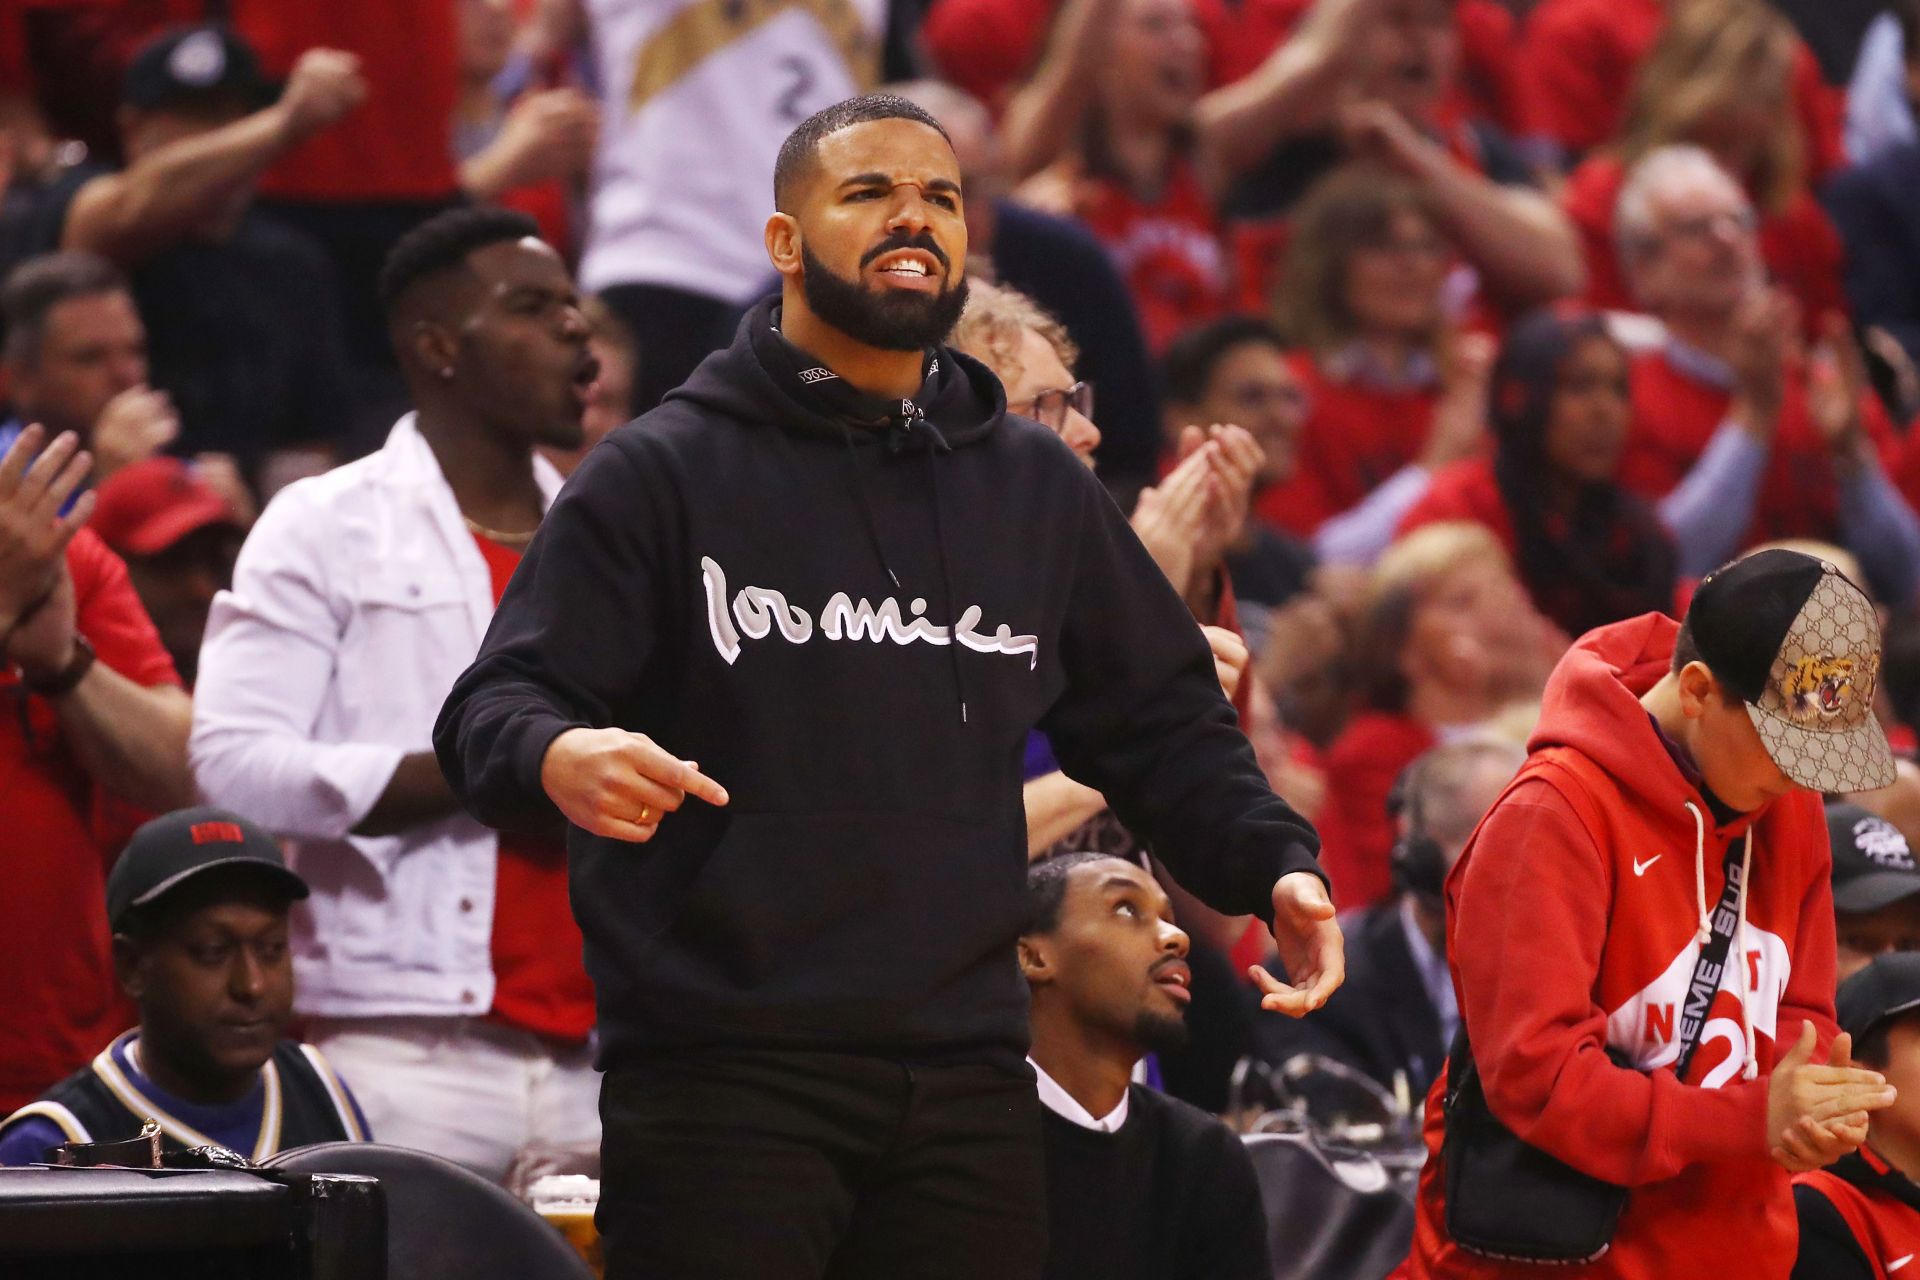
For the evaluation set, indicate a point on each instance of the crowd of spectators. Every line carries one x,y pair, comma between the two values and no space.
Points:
1418,337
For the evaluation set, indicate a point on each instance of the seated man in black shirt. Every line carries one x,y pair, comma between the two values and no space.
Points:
198,903
1138,1184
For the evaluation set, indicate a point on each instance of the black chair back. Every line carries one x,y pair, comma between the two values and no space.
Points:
444,1222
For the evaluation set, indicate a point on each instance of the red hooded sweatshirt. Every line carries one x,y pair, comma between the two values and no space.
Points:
1571,928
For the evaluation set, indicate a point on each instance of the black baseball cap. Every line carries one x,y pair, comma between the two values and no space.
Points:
1800,644
1872,865
183,65
170,850
1888,987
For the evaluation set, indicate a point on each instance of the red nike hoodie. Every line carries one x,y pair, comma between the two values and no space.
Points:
1573,923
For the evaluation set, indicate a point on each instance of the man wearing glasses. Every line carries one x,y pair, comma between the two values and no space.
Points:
1733,376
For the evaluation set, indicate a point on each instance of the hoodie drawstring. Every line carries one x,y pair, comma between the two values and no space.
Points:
908,426
1750,1066
866,511
940,445
1705,930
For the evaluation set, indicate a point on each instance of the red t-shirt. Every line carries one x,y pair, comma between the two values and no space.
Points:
539,981
1169,251
63,831
1675,415
1799,243
398,144
1354,438
1579,58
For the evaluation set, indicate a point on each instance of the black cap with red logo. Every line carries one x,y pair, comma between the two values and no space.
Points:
174,848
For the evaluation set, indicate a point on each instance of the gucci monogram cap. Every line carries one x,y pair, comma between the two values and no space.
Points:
1799,642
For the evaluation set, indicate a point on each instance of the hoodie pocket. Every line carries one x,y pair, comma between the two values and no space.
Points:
870,925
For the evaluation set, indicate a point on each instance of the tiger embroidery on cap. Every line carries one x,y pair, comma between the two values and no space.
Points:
1818,687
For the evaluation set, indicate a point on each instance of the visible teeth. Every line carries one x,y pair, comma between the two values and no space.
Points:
908,268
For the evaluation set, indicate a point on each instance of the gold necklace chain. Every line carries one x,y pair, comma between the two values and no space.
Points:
495,535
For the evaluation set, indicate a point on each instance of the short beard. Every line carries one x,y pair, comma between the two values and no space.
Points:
893,320
1160,1032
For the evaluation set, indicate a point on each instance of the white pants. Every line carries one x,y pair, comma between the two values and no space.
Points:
505,1103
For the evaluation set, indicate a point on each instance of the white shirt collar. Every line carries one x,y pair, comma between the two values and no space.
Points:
1057,1100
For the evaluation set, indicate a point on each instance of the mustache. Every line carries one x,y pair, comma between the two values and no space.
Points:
897,241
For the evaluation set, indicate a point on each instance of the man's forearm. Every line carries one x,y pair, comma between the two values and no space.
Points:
130,738
416,794
1056,806
1523,246
1041,118
165,195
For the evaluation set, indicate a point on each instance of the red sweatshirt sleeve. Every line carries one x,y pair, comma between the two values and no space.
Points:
1527,926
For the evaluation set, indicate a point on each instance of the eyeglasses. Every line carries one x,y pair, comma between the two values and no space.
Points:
1049,407
1731,221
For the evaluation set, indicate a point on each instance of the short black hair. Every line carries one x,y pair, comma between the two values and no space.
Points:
1686,649
1047,889
38,285
797,152
1193,356
443,242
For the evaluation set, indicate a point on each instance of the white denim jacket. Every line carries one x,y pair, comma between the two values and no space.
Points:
358,599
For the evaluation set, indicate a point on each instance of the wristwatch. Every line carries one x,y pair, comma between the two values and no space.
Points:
68,677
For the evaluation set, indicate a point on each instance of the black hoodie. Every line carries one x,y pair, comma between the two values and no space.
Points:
761,575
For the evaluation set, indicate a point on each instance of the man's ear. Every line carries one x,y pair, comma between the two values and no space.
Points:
1697,689
433,345
128,970
1036,966
784,244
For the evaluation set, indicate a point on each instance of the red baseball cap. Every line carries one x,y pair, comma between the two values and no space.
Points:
145,508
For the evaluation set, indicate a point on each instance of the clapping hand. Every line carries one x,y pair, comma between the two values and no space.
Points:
35,484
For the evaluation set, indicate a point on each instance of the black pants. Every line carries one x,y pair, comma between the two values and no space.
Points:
737,1165
674,331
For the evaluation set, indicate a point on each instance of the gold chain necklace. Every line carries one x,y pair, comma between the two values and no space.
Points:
495,535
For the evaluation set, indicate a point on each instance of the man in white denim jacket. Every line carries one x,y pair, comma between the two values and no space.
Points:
438,962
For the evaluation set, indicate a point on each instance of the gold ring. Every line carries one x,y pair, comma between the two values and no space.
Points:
646,812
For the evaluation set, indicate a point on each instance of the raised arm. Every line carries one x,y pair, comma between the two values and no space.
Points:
1042,117
1523,246
1292,92
167,194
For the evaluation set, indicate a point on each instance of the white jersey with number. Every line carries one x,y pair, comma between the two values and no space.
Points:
697,96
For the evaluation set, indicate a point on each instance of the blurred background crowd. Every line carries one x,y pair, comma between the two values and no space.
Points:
1418,336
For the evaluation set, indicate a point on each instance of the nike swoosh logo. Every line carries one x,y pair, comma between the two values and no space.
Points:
1640,868
1895,1266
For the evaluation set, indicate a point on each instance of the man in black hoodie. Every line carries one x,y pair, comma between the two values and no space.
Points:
834,572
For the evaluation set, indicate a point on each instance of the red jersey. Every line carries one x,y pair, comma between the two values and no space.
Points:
1675,414
1799,244
1875,1205
1579,59
540,983
1571,929
1354,438
398,144
1356,834
63,831
1168,250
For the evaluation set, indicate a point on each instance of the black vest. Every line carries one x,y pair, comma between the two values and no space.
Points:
302,1096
